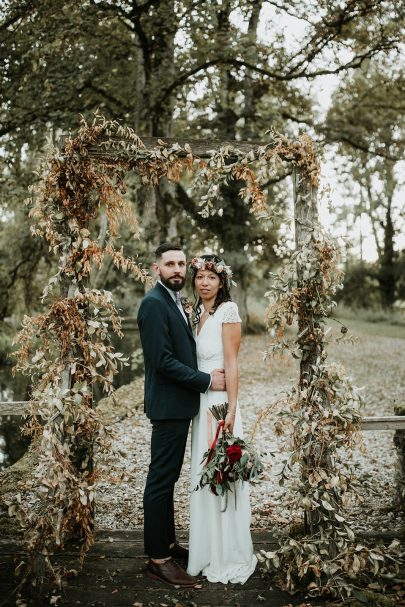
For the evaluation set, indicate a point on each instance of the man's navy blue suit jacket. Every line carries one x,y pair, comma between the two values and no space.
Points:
172,381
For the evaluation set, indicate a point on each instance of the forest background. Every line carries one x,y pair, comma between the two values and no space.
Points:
224,69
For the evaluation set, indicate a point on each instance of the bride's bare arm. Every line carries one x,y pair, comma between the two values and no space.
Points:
231,336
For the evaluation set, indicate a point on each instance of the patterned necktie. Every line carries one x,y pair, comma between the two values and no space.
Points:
180,305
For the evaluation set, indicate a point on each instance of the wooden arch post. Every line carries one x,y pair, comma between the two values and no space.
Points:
305,218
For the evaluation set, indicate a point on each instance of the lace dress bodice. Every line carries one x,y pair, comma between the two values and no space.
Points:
210,352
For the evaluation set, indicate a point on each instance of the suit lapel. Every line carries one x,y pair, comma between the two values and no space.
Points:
188,322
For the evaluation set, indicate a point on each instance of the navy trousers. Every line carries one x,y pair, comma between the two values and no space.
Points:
168,444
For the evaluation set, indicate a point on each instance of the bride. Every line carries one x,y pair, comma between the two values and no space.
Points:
220,544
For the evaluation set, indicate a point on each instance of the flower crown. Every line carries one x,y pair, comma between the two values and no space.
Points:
219,267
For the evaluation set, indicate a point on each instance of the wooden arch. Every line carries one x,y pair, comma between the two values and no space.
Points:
89,171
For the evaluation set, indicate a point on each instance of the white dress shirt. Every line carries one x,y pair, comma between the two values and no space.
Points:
175,295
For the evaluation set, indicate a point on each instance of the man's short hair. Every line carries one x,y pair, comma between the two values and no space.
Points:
167,246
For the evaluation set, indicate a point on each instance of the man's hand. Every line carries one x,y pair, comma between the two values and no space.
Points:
218,380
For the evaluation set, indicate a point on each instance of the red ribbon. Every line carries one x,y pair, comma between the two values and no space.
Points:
214,442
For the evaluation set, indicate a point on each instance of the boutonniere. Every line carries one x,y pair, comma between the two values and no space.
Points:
187,305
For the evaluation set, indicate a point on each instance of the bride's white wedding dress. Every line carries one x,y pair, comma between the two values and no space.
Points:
220,543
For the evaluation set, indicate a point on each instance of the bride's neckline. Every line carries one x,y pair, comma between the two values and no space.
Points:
199,327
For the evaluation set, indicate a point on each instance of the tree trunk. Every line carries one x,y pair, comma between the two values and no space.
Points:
249,84
226,128
239,296
156,32
387,275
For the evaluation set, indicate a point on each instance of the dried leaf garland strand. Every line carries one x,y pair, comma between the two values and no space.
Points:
323,415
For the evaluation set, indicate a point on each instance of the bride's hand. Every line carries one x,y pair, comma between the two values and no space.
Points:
229,422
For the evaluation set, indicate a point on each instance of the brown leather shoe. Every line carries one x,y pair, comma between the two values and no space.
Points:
179,552
171,573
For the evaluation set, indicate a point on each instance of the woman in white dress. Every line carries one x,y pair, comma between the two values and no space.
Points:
220,544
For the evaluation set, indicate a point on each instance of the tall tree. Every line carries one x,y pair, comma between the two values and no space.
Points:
369,108
175,67
234,106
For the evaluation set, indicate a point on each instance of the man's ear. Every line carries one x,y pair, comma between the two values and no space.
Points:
155,268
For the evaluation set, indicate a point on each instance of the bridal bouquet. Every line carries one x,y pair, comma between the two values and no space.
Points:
229,459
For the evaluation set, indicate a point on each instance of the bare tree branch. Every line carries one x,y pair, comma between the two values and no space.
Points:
353,63
283,8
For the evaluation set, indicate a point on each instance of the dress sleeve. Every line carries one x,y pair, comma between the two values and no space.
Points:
230,313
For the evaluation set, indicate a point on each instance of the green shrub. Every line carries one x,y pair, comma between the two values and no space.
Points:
360,287
375,314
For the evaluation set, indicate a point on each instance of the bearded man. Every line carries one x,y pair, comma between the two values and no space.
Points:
173,385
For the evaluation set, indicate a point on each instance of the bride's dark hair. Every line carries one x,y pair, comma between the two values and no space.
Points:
223,294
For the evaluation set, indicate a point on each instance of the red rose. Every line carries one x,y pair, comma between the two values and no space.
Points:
234,453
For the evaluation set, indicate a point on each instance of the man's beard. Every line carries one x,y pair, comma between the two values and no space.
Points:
177,286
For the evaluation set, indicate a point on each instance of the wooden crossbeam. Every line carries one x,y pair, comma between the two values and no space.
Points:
15,407
201,148
388,422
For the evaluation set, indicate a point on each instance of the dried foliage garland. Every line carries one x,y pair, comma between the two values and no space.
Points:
66,350
256,167
323,415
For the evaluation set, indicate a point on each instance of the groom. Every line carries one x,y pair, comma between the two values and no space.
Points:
172,397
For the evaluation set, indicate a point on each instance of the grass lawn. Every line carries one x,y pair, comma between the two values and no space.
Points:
367,322
383,328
